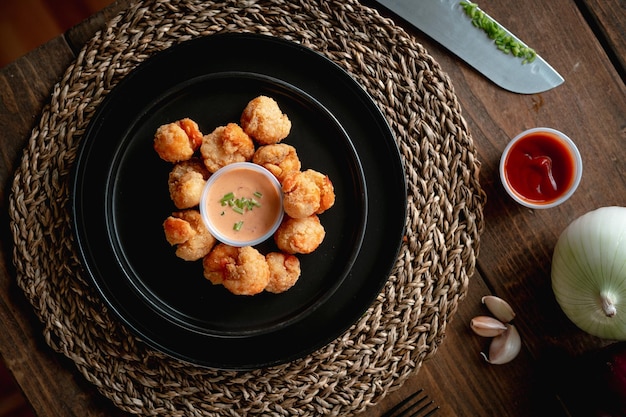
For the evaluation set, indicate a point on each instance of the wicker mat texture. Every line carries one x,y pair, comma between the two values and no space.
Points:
407,321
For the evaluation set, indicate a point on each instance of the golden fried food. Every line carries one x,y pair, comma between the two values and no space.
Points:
177,141
284,271
192,130
242,271
249,275
215,262
186,182
301,195
245,270
306,193
264,121
299,235
327,191
279,159
177,230
186,230
226,145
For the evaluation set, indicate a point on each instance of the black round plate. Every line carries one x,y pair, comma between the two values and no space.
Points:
120,200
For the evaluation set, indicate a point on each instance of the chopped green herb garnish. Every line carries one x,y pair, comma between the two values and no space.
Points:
237,226
240,205
227,198
504,42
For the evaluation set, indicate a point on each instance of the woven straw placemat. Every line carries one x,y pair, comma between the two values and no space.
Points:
407,321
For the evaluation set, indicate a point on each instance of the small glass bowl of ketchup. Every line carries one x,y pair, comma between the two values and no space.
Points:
541,168
242,204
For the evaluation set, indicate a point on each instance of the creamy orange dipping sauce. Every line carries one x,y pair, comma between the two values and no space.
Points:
242,204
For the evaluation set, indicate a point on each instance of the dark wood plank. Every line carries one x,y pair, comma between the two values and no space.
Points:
607,17
26,25
459,380
68,13
591,108
517,244
24,89
50,382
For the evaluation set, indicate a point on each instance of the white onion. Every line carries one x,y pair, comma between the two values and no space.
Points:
589,272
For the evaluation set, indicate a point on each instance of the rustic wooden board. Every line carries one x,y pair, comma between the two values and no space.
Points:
516,246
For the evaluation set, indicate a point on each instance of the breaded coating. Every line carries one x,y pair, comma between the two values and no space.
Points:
193,241
306,194
242,271
177,141
284,271
192,130
186,182
249,275
226,145
301,195
264,121
279,159
215,262
327,191
299,235
177,230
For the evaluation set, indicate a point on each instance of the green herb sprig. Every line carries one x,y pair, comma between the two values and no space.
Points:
505,42
240,205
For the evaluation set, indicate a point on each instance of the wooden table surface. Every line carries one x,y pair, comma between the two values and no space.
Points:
584,40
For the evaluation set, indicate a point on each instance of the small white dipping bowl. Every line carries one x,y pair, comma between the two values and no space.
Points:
242,204
541,168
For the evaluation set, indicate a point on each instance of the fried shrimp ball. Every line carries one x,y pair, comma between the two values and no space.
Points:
264,121
299,235
327,191
177,230
301,195
177,141
187,232
226,145
192,130
242,271
186,182
215,262
284,271
279,159
306,193
249,275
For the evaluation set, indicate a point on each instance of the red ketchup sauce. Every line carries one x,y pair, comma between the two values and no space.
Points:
540,167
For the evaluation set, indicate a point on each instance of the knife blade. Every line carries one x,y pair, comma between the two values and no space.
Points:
447,23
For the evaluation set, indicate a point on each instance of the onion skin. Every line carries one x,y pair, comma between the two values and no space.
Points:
589,272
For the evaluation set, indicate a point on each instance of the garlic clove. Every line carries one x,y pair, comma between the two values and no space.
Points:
499,308
487,326
505,347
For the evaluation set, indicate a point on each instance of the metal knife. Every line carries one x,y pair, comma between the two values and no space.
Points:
447,23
